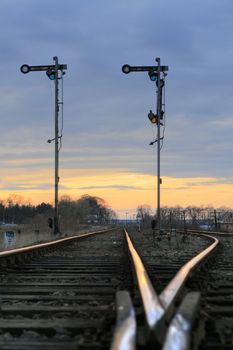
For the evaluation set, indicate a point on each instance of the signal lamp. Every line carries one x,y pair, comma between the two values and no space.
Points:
51,74
153,118
153,75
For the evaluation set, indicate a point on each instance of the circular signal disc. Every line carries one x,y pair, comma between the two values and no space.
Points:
25,68
126,69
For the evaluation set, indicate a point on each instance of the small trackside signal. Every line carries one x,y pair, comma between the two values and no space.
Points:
50,222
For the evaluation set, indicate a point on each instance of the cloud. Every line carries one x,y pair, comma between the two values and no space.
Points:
211,182
181,188
118,187
105,111
30,187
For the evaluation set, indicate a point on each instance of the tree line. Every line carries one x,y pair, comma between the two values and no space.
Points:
190,216
72,212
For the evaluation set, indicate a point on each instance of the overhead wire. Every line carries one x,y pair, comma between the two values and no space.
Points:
62,120
164,114
164,119
52,98
60,110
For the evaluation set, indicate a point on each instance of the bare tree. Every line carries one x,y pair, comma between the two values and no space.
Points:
144,213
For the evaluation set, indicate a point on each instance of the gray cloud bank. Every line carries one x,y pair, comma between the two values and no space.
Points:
106,122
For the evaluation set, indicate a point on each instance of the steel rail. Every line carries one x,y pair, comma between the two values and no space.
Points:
170,293
179,332
210,232
28,249
125,333
151,302
153,308
158,308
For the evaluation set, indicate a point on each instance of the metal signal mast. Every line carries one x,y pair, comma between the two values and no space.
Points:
52,72
154,73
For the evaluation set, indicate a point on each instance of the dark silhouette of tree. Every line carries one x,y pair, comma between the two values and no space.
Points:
86,210
144,214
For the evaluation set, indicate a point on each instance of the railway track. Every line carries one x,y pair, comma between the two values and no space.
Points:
213,280
90,292
65,297
216,287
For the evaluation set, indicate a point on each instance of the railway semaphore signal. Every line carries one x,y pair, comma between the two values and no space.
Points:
25,68
52,71
128,69
154,73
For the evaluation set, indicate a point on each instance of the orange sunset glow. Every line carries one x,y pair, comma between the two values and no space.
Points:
122,190
98,115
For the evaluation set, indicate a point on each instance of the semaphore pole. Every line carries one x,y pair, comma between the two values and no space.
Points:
56,139
159,107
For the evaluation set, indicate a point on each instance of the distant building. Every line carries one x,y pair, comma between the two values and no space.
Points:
92,219
225,221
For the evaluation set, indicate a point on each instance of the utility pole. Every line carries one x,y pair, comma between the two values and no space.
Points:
52,72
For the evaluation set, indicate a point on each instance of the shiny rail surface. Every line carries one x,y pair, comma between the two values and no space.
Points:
157,308
125,333
179,332
151,302
171,292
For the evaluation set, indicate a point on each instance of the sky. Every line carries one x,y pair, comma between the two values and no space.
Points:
106,134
